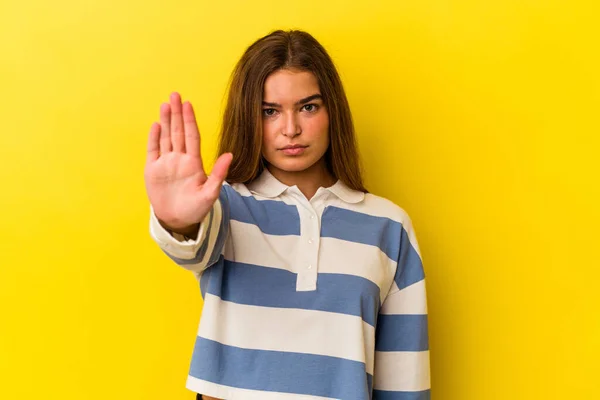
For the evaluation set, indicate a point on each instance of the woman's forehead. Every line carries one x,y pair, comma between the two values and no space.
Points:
289,86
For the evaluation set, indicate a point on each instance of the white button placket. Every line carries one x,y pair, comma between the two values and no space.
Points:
308,262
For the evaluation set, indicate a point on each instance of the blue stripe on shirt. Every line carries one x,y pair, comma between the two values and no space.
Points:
410,268
362,228
272,217
271,287
387,395
278,371
204,279
401,333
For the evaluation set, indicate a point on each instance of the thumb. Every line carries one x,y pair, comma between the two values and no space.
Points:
218,173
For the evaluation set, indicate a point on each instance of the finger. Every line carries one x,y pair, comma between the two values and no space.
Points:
153,143
165,129
177,124
192,135
218,174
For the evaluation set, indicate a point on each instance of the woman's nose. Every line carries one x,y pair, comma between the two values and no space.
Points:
291,127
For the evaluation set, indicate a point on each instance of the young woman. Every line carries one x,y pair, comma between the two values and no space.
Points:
313,288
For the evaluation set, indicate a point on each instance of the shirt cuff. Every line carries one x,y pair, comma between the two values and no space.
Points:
175,243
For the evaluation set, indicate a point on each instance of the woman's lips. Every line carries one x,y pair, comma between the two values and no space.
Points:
294,150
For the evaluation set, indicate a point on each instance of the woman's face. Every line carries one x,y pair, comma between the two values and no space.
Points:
295,122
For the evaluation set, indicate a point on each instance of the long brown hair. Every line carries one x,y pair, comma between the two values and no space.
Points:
241,130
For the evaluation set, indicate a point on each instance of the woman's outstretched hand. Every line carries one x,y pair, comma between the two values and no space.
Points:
179,190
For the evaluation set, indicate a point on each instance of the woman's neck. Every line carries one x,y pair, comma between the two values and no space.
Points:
308,181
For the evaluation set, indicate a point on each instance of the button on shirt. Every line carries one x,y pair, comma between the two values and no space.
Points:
305,299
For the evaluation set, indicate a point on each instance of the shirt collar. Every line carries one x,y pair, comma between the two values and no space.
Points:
345,193
267,185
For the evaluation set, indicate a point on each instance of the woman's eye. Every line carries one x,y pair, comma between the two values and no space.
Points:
268,112
310,107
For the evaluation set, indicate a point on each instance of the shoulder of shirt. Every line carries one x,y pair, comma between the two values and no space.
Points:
385,207
372,204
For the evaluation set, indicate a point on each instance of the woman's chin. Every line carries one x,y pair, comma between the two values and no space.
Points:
293,165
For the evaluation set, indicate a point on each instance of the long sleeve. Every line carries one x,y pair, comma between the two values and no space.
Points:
196,255
402,341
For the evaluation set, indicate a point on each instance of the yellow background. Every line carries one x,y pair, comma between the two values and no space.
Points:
480,118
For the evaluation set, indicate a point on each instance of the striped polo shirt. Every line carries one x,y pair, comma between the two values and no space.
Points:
305,299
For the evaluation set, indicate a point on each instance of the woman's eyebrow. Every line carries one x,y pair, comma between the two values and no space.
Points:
309,98
299,102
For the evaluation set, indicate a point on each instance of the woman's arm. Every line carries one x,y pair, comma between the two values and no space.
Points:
189,210
402,339
197,250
